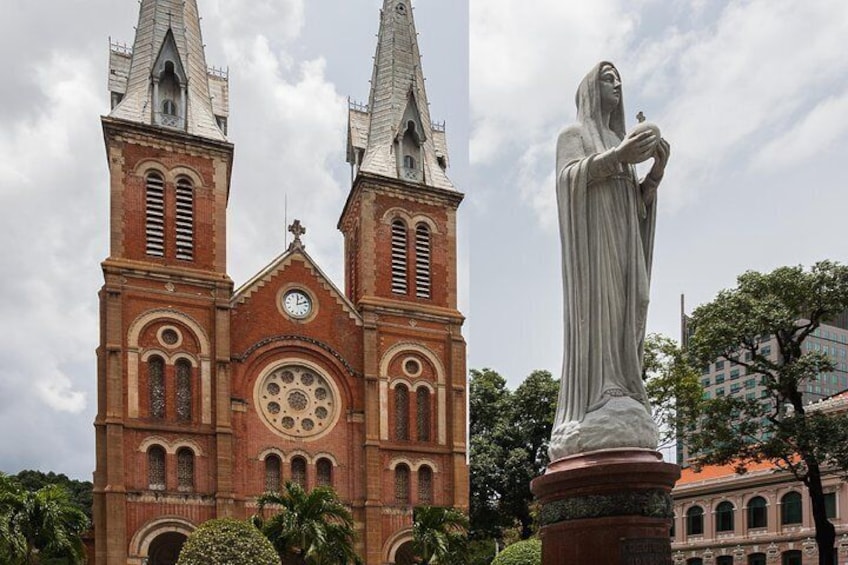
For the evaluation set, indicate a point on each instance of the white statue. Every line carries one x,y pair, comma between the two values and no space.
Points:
607,219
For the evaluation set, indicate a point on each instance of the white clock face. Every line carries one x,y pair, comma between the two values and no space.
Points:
297,303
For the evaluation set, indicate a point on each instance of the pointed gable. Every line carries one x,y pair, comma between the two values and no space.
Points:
168,40
393,136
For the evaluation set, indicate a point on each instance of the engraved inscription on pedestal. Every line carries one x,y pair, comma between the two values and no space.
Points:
650,551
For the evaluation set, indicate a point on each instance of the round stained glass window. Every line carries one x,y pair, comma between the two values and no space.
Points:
297,401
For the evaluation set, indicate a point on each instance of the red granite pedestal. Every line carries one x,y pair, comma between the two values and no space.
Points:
610,507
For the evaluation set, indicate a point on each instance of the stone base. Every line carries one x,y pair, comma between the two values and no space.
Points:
610,507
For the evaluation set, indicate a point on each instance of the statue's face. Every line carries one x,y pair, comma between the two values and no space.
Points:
610,86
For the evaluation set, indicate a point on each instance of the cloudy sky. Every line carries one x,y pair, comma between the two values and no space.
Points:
752,95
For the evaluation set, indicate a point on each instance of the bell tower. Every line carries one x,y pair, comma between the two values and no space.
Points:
163,435
399,226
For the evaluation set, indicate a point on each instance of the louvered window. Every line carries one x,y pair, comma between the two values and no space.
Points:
324,467
425,485
156,468
401,412
422,400
185,470
156,386
183,391
298,468
155,215
185,219
273,473
422,261
402,484
399,285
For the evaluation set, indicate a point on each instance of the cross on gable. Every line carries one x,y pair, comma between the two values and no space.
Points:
297,230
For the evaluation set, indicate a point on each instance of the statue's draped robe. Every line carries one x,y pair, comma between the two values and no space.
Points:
607,232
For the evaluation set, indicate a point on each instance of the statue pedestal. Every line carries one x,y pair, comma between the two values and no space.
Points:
610,507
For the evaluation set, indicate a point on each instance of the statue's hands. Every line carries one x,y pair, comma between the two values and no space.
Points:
661,153
636,148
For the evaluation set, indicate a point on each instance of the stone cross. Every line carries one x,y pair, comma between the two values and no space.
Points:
297,230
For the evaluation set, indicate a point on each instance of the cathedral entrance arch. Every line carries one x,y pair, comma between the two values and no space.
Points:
165,548
404,554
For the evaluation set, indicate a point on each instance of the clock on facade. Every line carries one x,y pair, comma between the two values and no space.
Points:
297,303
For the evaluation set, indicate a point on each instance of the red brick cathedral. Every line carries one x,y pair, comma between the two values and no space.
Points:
210,395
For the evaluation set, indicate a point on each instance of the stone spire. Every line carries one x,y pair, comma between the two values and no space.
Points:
393,136
163,80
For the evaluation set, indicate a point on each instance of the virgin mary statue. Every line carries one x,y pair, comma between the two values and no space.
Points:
606,218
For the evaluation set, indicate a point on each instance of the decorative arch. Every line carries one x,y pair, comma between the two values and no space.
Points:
398,460
170,448
271,451
141,540
133,357
148,442
187,443
146,166
394,542
440,391
186,171
325,455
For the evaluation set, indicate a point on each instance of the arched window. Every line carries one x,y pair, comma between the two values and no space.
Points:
409,161
156,468
757,559
154,215
425,485
185,219
402,484
757,515
184,398
724,560
401,412
792,557
273,473
156,386
298,471
185,470
422,261
324,470
422,401
695,521
169,108
695,561
399,284
724,517
790,508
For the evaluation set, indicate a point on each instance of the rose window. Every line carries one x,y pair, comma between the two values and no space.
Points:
297,401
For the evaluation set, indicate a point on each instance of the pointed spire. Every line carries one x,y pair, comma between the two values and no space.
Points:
393,136
164,79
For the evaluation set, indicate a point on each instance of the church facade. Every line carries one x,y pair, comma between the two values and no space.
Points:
210,395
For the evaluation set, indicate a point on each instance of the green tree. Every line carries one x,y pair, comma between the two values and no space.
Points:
80,492
39,525
510,432
673,386
308,528
527,552
786,306
440,535
230,541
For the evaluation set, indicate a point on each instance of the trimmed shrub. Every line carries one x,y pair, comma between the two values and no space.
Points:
527,552
228,541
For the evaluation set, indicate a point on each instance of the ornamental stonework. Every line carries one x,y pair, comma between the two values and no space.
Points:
297,401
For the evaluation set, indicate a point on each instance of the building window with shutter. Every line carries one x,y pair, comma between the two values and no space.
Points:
422,401
184,399
273,473
401,412
185,219
425,485
156,386
422,261
402,484
156,468
154,216
324,469
399,258
185,470
298,471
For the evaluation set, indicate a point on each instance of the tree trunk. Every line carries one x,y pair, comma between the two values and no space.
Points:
825,532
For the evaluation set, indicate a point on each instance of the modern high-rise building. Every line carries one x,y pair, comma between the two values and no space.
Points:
210,395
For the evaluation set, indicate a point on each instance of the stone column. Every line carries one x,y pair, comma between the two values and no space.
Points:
607,507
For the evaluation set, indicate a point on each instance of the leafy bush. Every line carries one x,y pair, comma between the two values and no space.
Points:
228,541
527,552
